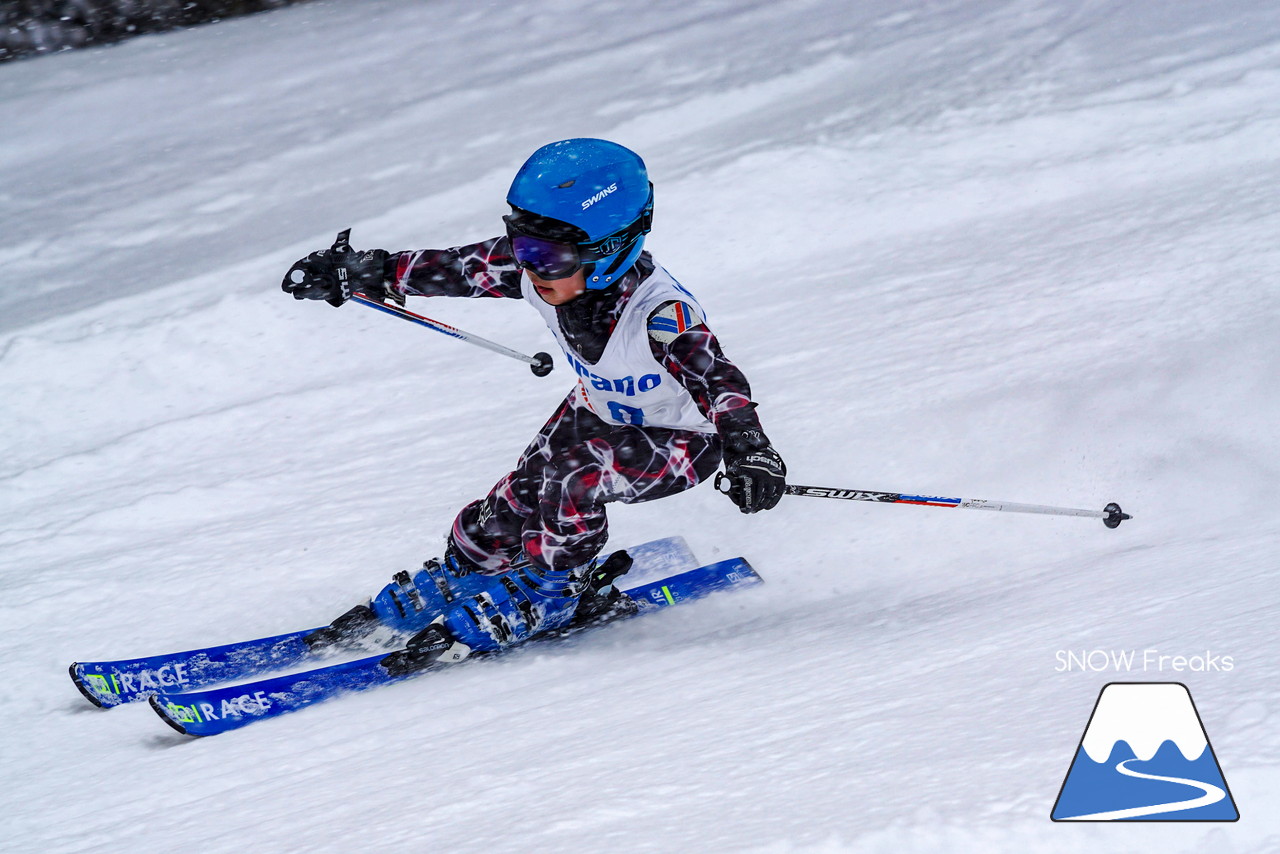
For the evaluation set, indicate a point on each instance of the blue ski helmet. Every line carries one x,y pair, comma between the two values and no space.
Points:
592,193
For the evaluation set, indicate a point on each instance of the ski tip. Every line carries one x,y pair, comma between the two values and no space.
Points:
154,700
78,678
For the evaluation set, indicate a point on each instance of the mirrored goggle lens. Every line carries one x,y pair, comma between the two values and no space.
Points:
548,259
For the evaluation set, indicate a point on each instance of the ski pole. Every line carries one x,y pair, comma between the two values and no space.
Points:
539,363
1111,515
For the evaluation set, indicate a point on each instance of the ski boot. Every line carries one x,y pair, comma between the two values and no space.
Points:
533,601
404,607
509,608
448,610
486,622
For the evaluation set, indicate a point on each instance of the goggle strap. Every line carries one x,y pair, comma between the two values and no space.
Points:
629,235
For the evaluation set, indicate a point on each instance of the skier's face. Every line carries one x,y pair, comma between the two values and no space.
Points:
558,291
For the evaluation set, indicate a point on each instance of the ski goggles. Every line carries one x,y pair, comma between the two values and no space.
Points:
555,259
549,259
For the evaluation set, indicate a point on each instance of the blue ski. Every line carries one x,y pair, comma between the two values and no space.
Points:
112,683
218,710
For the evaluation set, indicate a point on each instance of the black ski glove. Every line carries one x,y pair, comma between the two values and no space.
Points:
754,473
334,274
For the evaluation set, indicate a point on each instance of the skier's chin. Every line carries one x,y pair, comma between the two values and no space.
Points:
558,291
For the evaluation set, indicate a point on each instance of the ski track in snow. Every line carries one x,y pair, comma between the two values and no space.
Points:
1014,250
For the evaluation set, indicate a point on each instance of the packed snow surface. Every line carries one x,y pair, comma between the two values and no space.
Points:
1007,250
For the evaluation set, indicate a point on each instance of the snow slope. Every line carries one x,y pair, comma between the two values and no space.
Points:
1018,250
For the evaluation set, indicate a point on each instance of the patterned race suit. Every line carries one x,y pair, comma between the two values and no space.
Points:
551,508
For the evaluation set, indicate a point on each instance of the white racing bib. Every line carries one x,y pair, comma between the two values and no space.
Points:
628,385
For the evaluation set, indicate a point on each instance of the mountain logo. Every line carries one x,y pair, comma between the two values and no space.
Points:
1144,756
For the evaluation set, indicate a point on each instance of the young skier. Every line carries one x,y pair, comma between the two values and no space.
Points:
656,407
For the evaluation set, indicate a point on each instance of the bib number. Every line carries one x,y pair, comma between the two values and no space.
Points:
624,414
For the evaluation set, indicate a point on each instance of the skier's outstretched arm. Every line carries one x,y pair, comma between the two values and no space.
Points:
756,473
485,269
